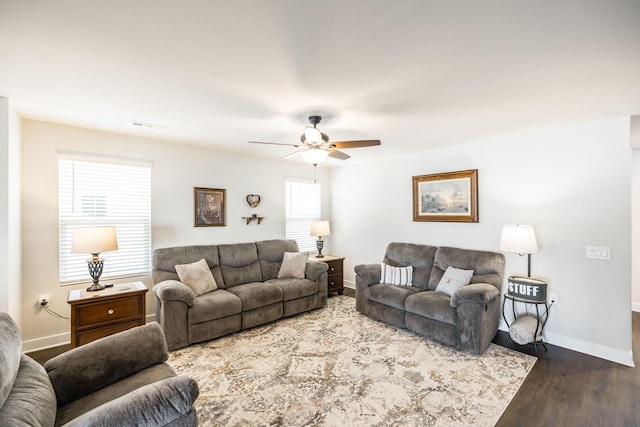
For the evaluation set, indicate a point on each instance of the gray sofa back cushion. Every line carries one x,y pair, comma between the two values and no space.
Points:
270,254
10,354
165,260
239,264
488,267
419,256
140,347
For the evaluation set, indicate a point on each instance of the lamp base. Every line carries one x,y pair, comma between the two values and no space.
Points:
319,245
95,265
95,287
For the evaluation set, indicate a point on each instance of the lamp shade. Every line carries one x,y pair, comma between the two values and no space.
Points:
519,239
320,228
314,156
94,240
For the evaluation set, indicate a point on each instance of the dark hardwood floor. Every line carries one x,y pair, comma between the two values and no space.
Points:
567,388
564,388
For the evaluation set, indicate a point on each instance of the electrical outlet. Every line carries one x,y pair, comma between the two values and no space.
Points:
553,299
44,300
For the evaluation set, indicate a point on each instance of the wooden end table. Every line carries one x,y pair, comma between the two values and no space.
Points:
98,314
335,276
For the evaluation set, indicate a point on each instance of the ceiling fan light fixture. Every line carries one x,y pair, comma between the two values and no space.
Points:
315,156
313,135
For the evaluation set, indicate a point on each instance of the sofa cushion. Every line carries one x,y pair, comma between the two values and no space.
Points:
396,275
419,256
90,367
256,295
453,279
10,354
165,260
431,304
197,276
239,264
270,254
31,401
214,305
293,265
392,295
295,288
86,403
488,266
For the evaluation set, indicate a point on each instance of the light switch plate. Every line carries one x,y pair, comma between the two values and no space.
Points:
599,252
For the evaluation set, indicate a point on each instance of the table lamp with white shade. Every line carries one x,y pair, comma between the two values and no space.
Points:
519,239
94,240
320,228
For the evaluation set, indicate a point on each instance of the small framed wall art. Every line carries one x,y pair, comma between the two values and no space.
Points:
209,207
446,197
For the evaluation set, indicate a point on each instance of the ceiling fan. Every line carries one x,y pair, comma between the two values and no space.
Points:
316,145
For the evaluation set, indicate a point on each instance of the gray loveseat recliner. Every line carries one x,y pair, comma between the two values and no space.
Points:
119,380
467,320
249,292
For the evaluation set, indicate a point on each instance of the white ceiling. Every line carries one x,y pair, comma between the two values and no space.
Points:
416,74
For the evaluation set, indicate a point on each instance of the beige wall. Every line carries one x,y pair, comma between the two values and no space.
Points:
572,184
176,170
10,289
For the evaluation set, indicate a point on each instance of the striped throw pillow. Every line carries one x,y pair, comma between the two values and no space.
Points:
396,275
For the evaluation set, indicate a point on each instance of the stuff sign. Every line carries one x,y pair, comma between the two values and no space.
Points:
527,288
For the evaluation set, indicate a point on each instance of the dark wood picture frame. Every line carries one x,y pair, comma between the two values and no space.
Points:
209,207
446,197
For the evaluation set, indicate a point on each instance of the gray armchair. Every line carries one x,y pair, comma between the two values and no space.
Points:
118,380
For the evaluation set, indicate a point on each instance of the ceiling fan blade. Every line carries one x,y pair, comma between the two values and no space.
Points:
338,154
356,144
274,143
291,155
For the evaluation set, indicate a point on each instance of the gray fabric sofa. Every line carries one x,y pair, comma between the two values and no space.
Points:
249,292
120,380
467,320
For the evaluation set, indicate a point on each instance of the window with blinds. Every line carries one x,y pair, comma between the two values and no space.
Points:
302,208
95,194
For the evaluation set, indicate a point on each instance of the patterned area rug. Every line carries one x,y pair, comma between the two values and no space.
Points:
336,367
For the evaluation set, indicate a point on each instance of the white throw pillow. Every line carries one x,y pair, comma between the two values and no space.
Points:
294,264
453,279
391,275
197,276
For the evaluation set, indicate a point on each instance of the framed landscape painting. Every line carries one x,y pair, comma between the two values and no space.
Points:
446,197
209,207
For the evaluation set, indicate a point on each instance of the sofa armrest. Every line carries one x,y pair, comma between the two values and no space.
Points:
369,274
87,368
478,293
156,404
314,269
173,290
366,275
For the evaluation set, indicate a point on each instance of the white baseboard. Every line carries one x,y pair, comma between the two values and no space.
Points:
635,306
58,339
595,350
349,284
46,342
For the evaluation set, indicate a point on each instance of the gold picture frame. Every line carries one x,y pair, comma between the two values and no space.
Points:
446,197
209,207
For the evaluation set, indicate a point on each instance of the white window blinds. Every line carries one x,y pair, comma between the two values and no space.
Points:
302,208
94,194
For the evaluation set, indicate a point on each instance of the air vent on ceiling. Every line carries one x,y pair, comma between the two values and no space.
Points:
148,125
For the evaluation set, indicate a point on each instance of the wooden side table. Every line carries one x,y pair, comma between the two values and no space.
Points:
335,277
98,314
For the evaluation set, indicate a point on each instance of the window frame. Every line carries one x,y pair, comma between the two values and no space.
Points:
133,257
